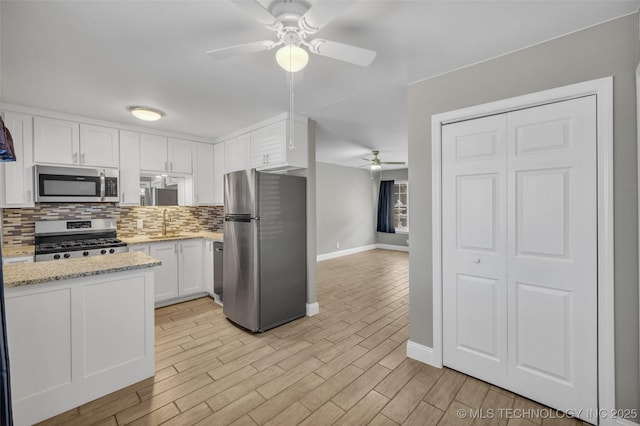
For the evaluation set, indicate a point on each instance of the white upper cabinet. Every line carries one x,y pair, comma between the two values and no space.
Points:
129,168
218,173
153,153
99,146
268,144
16,187
276,145
161,154
272,147
203,174
56,141
179,155
70,143
237,153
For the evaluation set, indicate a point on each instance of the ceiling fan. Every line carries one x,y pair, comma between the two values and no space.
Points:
376,164
294,22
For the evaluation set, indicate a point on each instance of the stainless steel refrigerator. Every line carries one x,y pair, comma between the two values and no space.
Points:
265,249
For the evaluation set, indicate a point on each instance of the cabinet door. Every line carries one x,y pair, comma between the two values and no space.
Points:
17,182
190,267
179,156
99,146
230,155
268,144
153,153
203,174
218,173
129,168
207,266
55,141
243,151
166,276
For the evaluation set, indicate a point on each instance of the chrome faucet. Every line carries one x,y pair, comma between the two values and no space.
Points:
165,213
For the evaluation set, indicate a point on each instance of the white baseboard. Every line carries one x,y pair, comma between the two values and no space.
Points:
625,422
421,353
312,309
341,253
392,247
360,249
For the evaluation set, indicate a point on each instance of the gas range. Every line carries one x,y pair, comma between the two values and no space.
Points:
67,239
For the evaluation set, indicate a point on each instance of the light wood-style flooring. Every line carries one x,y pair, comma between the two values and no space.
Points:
346,366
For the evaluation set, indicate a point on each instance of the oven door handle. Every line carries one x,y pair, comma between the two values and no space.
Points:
102,185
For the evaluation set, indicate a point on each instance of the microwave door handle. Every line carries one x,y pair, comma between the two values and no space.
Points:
102,185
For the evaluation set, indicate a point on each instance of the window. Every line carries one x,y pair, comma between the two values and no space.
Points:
401,206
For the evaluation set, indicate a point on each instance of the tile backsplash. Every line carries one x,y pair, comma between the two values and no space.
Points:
18,224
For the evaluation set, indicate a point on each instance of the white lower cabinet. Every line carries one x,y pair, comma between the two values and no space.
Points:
180,274
190,267
76,340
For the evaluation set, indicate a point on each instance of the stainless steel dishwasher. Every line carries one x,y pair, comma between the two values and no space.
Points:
218,249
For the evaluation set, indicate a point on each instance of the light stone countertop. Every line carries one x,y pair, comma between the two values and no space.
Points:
12,251
146,239
55,270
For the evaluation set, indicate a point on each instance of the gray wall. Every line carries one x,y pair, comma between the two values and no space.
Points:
344,208
608,49
383,237
310,174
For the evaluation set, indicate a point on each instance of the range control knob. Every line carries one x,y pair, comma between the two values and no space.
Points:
67,255
112,251
103,251
56,256
85,253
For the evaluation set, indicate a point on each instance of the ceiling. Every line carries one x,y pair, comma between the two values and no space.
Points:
96,58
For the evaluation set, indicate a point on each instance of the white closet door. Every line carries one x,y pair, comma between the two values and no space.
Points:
552,253
520,251
474,252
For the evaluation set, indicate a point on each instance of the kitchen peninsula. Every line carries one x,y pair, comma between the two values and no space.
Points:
78,331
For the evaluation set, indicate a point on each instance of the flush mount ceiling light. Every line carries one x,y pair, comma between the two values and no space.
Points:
146,113
292,58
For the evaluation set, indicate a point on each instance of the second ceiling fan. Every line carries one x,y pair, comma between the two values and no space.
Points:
376,164
294,22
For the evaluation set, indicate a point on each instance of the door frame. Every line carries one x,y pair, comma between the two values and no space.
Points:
603,89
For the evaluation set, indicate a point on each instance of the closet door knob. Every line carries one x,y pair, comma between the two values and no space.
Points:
476,260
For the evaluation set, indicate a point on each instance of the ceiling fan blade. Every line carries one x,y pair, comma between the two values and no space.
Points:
321,13
242,49
343,52
366,159
259,13
393,162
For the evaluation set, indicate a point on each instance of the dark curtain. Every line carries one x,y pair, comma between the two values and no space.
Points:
6,418
385,207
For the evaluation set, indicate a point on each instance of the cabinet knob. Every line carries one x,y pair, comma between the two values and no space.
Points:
476,260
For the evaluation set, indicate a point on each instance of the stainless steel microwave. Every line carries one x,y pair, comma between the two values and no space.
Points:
75,184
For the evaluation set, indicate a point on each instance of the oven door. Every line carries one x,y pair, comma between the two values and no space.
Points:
68,184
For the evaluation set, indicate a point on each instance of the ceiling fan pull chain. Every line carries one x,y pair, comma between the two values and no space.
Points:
291,144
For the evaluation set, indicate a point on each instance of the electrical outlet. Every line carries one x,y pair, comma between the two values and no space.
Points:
338,244
139,223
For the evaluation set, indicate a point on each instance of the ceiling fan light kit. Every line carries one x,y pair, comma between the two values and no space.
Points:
292,58
146,113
